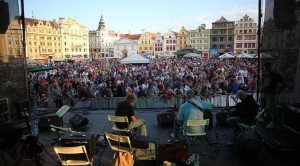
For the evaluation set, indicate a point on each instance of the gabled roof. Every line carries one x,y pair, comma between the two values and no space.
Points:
32,22
131,36
222,19
153,35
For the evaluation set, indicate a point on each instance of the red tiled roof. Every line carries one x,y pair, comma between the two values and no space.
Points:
153,35
131,36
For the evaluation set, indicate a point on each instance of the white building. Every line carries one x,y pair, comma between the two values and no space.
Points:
101,41
126,45
245,37
169,44
74,38
158,45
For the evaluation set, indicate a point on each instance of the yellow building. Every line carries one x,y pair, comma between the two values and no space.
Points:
183,39
75,38
43,39
146,43
11,42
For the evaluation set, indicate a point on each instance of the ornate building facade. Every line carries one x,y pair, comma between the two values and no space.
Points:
200,39
183,39
169,45
146,43
101,41
245,37
126,45
222,36
158,45
11,42
43,39
74,38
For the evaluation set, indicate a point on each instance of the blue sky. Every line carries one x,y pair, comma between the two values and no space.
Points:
135,15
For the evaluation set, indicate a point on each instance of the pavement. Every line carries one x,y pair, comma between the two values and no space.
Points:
217,154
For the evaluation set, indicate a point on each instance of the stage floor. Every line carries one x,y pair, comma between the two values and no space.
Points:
219,155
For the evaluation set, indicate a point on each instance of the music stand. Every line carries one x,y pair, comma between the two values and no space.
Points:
61,112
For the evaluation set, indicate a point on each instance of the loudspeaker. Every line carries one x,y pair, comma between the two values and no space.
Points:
4,17
284,14
174,152
86,139
166,119
45,122
78,121
22,107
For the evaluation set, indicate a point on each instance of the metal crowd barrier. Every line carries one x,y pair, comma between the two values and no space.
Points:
155,102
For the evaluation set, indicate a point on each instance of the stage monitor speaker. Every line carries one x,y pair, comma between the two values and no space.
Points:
78,121
166,119
284,14
45,122
22,107
77,139
4,17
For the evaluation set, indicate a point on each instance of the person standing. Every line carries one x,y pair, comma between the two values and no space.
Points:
125,108
273,85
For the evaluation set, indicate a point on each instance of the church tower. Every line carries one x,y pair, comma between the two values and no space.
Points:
101,24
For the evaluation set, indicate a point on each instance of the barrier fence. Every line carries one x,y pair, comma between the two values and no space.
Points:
153,102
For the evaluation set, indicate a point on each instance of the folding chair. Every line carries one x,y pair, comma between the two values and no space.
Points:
76,155
257,118
122,119
193,137
120,144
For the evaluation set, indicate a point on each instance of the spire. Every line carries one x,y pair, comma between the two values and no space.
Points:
101,24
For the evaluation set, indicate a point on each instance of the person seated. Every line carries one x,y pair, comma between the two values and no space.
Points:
125,108
245,111
192,109
44,101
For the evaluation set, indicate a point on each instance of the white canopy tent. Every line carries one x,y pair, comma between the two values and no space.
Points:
135,58
226,55
245,55
263,55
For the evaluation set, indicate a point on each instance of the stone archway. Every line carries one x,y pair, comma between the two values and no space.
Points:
124,53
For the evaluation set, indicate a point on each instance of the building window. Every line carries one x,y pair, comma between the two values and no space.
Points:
221,38
214,39
221,46
245,31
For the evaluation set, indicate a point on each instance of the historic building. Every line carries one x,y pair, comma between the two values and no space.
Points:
200,39
222,36
11,45
245,37
146,43
183,39
158,45
169,45
101,41
43,39
126,45
74,38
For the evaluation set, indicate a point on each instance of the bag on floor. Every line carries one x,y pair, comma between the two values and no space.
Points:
124,159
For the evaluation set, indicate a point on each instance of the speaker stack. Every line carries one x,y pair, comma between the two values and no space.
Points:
45,122
78,121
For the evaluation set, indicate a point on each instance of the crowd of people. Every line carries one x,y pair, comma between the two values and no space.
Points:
162,77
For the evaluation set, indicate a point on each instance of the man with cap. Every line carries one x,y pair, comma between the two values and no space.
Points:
192,109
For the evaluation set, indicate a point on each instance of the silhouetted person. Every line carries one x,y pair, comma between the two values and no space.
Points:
273,85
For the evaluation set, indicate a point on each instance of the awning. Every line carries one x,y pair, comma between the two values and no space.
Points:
39,68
